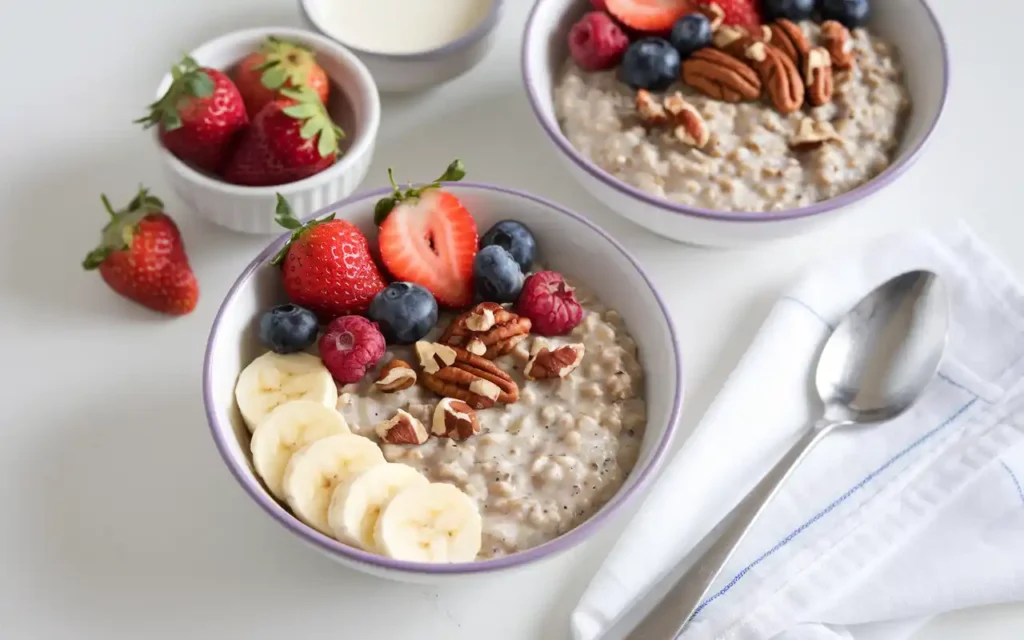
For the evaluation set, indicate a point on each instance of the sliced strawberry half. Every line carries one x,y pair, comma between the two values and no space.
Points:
650,16
427,237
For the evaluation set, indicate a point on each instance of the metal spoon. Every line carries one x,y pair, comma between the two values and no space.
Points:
874,366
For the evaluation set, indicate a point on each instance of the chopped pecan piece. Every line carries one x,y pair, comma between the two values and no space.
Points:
818,76
433,356
721,76
651,111
839,42
690,125
395,376
779,75
547,363
788,37
497,328
714,13
454,419
402,429
811,134
475,380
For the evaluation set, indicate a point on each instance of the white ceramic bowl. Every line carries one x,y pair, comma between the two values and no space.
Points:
397,73
354,104
567,242
909,24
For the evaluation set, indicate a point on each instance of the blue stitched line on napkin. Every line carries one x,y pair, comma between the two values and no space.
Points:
838,501
1016,482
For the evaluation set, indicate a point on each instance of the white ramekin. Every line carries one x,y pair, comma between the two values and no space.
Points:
251,209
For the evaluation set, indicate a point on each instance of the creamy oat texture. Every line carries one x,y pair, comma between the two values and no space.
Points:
747,165
543,465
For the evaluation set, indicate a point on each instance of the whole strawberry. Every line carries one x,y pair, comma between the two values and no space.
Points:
278,65
141,257
326,265
199,116
290,139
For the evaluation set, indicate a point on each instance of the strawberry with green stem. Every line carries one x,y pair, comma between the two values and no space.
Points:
199,116
277,65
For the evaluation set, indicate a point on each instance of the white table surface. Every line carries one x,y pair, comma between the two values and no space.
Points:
120,520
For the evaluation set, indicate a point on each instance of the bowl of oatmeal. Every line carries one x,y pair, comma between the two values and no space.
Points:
443,422
731,130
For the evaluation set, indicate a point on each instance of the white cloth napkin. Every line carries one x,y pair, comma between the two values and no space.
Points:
879,529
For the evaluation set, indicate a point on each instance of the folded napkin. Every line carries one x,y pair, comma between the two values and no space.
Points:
880,528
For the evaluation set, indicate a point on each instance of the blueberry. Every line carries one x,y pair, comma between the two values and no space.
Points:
496,275
405,312
795,10
288,328
650,63
690,33
515,238
852,13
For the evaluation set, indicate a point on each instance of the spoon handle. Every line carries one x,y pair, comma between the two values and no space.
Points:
669,616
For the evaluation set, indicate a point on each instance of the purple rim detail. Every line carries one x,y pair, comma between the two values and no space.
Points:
560,544
486,26
893,172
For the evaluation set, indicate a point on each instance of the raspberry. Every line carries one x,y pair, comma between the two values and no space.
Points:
550,304
596,42
600,5
350,346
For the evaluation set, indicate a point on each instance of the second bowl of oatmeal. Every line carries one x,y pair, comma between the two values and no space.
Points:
717,150
544,450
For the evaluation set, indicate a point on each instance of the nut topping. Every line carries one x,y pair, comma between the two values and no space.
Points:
727,36
839,42
502,330
546,363
651,111
464,379
691,128
779,75
789,38
721,76
402,429
395,376
476,346
714,13
818,76
454,419
811,134
433,356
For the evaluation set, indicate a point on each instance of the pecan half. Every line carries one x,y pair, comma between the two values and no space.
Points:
839,42
714,13
691,127
454,419
779,76
395,376
721,76
546,363
475,380
497,328
403,428
811,134
788,37
818,76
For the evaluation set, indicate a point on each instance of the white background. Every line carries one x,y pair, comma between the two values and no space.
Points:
119,520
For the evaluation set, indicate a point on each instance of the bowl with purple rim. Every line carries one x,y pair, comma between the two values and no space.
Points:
415,70
567,242
910,25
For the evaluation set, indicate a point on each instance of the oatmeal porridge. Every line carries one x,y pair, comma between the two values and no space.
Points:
750,150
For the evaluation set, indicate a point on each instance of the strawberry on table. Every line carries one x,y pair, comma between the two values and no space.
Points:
740,13
199,116
278,65
427,237
649,16
141,256
326,266
291,138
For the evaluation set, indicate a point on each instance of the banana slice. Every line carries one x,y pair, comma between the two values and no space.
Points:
288,428
314,472
357,503
273,379
430,523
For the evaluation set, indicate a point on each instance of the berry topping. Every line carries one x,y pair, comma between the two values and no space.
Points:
690,33
326,265
515,238
349,347
550,304
743,13
596,42
288,328
795,10
650,63
278,65
851,13
405,312
600,5
427,237
496,275
649,16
